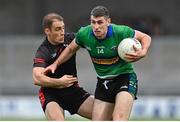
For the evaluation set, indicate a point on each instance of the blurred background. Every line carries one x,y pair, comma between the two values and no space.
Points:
158,73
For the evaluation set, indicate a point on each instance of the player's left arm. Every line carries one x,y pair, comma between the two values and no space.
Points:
145,41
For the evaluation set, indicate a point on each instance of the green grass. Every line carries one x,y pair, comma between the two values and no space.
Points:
78,118
21,119
71,118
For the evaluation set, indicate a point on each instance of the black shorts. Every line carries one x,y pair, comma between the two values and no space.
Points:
69,99
107,89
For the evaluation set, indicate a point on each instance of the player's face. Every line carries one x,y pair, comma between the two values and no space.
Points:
56,32
100,26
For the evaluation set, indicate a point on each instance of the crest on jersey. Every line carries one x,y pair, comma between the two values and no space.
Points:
114,47
65,45
53,55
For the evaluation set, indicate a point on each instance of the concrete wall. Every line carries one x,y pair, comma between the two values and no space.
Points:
24,16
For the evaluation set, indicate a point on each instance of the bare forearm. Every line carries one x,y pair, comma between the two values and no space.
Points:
146,41
41,79
45,81
67,53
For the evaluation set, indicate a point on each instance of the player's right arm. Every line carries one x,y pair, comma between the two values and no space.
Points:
41,79
67,53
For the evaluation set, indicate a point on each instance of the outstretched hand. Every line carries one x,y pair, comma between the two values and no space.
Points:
51,68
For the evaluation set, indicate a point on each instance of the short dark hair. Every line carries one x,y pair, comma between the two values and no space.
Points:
100,11
49,18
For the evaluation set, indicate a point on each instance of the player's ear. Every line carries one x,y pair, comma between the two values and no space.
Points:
46,31
109,20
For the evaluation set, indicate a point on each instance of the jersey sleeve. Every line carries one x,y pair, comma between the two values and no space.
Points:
41,57
128,32
124,31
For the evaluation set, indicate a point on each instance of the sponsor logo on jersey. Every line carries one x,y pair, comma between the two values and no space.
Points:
100,47
106,61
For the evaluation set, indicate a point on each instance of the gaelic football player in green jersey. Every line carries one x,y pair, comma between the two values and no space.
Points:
117,82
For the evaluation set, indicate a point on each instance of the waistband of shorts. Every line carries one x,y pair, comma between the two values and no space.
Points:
111,78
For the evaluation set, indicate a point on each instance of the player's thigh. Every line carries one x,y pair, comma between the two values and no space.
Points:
123,105
54,112
102,110
86,107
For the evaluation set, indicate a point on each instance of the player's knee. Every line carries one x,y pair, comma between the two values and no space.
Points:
86,108
54,116
120,116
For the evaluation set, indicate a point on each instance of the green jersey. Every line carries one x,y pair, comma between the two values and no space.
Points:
104,55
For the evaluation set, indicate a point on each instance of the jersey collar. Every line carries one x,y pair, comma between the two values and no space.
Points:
109,33
55,46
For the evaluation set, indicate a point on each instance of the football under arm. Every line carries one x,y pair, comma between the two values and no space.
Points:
68,52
